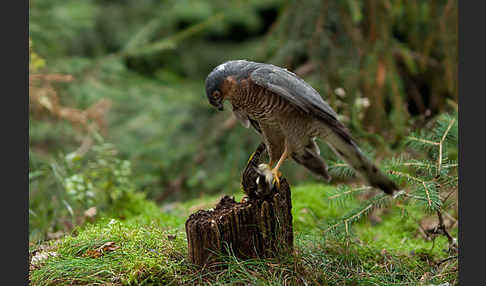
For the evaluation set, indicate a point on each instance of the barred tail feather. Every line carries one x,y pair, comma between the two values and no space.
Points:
349,151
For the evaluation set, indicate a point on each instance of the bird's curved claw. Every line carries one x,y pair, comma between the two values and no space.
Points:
276,177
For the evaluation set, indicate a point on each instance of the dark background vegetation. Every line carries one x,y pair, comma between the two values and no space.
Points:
117,105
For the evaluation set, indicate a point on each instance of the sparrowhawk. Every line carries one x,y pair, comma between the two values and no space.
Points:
289,115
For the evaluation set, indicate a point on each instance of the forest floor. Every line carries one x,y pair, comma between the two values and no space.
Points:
149,247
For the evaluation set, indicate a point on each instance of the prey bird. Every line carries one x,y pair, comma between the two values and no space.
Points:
289,115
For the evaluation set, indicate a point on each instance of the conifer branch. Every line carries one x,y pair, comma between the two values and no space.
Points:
425,141
428,179
349,192
428,195
355,216
439,163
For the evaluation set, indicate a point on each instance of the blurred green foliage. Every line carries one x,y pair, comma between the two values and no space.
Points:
400,56
385,66
62,190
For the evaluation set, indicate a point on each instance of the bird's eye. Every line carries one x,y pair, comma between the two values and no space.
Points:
216,94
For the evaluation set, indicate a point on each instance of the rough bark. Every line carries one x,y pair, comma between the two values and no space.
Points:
260,226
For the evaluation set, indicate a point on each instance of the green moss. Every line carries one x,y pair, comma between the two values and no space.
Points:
145,254
135,208
311,206
399,233
153,249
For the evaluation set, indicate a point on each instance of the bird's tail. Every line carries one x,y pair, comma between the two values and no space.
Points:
349,151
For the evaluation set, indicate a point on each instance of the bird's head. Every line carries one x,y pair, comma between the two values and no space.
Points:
214,82
215,79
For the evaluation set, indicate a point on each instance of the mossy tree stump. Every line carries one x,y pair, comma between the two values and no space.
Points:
260,226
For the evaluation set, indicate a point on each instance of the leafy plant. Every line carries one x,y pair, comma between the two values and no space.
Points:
75,183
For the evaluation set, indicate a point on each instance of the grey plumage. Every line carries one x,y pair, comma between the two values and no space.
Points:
300,93
289,114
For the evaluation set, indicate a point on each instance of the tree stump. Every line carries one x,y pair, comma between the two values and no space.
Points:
260,226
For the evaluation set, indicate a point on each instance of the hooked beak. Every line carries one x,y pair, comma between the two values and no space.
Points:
216,100
216,103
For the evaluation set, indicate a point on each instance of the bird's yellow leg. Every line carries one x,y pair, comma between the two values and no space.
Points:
276,173
271,163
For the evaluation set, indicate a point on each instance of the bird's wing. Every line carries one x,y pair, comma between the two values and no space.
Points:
296,91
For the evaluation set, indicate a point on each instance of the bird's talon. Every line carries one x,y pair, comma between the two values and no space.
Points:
276,177
272,176
276,181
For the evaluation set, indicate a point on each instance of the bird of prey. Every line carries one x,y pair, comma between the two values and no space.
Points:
289,115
